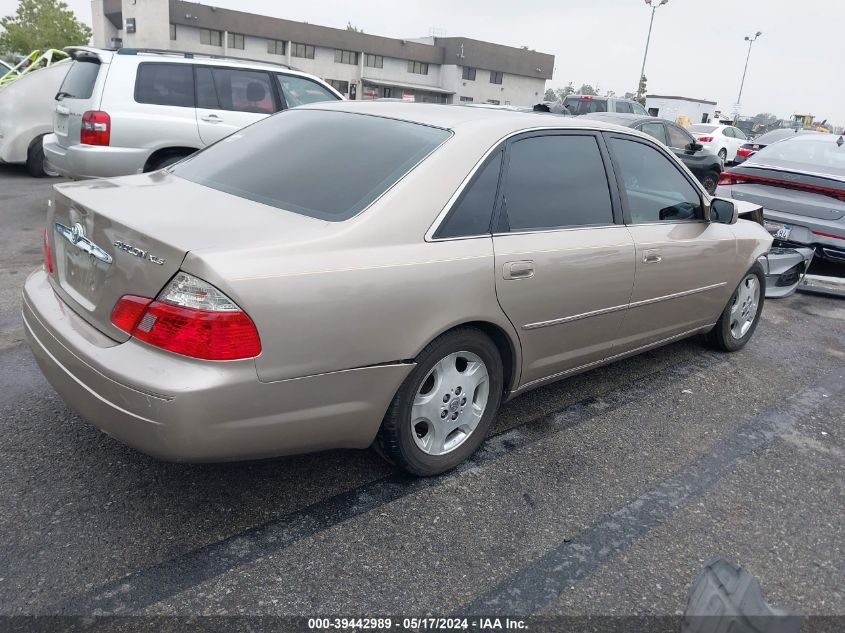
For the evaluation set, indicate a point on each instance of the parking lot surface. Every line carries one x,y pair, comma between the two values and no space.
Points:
602,494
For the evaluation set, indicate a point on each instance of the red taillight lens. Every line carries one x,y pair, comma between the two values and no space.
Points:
734,178
705,139
221,332
729,178
96,128
48,254
744,151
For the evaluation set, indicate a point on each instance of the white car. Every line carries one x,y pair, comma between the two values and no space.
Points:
722,140
26,116
135,110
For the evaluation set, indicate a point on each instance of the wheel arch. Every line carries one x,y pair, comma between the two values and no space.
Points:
165,152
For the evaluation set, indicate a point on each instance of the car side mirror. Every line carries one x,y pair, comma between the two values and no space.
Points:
723,211
695,146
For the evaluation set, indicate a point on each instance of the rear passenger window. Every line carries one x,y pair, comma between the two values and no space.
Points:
555,181
474,209
80,79
165,84
655,189
242,90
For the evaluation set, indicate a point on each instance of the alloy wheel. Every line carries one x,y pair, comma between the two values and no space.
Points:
745,306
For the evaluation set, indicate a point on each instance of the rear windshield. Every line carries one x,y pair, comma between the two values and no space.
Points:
326,165
820,155
702,129
80,79
775,135
578,105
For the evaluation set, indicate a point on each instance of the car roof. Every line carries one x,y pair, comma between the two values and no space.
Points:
457,117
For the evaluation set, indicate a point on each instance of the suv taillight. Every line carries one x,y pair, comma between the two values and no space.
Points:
96,128
189,317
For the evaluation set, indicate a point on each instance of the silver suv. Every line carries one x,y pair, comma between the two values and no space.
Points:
136,110
589,104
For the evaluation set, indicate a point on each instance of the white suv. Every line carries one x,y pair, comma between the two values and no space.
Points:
135,110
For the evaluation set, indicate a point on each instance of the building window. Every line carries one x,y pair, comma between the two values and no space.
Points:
236,40
345,57
172,31
466,99
275,47
211,38
496,76
469,73
341,86
373,61
302,50
418,68
494,101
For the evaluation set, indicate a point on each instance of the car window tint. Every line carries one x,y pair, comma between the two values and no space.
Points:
655,189
639,109
728,132
165,84
206,94
80,79
739,133
299,91
578,106
655,130
474,210
243,90
556,181
677,137
624,106
310,161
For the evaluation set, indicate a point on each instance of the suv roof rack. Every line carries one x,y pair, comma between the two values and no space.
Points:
190,55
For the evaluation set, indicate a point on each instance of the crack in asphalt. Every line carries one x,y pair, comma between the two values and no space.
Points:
538,585
159,582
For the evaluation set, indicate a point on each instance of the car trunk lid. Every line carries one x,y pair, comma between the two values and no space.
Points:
130,235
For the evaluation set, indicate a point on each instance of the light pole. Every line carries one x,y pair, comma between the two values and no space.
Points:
750,41
653,4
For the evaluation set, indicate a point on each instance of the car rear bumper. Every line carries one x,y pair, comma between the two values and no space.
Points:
92,161
177,408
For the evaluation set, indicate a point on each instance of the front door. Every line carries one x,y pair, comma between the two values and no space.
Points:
683,261
229,99
564,269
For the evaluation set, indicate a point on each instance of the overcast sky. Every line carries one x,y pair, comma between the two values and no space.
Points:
697,46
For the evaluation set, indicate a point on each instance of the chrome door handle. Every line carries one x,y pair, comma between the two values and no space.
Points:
651,257
518,270
212,118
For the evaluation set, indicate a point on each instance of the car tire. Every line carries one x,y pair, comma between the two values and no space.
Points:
723,154
740,317
36,163
443,410
709,181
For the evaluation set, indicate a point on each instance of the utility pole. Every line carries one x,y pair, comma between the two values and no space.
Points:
750,41
653,4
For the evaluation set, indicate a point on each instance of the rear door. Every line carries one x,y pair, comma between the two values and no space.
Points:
679,142
682,260
80,91
564,268
229,99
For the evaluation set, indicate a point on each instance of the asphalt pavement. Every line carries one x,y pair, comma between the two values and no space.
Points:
604,494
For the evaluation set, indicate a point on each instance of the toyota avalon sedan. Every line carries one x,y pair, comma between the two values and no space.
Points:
350,274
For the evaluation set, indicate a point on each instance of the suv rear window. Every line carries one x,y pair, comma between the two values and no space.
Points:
80,79
580,105
317,163
165,84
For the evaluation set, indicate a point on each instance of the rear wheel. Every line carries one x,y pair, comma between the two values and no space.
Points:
742,314
709,181
36,163
444,409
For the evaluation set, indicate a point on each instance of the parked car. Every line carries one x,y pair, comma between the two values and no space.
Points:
722,140
704,164
4,67
26,116
134,110
587,104
800,183
276,294
758,143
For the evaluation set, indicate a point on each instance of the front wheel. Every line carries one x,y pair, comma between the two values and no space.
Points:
742,314
444,409
36,162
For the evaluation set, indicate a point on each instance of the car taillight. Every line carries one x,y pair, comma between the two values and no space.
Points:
744,151
736,178
96,128
705,139
48,255
189,317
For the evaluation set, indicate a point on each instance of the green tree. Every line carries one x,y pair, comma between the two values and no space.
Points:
550,95
562,93
642,89
586,89
39,24
353,28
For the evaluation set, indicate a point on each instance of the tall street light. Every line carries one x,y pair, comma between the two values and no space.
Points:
653,4
750,41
